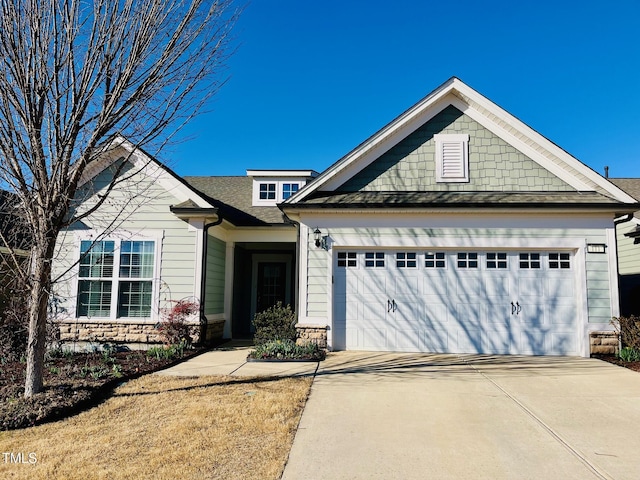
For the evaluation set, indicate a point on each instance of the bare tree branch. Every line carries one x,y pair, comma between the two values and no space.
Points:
77,73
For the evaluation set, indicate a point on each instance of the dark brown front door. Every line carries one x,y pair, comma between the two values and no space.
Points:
272,282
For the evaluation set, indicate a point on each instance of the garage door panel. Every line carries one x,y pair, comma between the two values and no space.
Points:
499,314
498,340
497,286
352,338
531,286
407,340
531,314
374,337
375,283
505,303
436,340
561,314
561,287
435,283
469,313
436,315
563,343
534,342
468,340
469,286
406,284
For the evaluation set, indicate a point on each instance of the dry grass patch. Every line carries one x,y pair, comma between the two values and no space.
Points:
168,428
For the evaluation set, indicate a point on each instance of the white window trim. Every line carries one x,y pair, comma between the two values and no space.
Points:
462,140
156,236
280,182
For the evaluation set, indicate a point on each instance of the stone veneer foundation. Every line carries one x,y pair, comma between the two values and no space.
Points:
604,343
131,332
312,334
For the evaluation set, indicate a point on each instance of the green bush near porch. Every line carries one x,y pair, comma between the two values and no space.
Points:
275,323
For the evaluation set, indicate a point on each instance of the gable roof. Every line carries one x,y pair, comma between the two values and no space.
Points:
120,148
504,125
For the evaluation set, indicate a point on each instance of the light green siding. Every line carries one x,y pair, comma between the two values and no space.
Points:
215,274
628,252
596,265
494,165
137,206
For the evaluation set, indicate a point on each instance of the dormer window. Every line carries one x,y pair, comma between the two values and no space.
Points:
271,187
289,189
452,157
267,191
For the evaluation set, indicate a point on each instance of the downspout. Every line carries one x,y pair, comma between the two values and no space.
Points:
203,277
296,278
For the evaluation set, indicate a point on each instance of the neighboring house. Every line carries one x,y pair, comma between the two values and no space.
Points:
455,228
14,248
628,239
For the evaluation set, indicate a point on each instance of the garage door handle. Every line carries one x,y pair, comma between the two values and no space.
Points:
519,309
394,305
389,306
513,308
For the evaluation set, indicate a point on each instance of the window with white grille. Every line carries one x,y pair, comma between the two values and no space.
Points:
452,157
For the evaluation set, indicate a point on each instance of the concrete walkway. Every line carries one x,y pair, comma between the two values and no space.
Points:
231,359
414,416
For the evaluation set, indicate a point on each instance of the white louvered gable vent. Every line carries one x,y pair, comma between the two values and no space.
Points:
452,157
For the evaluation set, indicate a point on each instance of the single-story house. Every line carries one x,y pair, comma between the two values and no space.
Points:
455,228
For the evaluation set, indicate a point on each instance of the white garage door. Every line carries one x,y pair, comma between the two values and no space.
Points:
502,302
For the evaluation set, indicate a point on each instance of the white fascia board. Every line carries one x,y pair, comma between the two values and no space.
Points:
538,141
282,173
122,148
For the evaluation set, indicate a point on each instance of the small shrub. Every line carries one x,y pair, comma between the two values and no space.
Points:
287,350
628,354
168,352
629,330
174,330
275,323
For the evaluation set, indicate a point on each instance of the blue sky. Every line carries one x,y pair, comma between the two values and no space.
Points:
312,80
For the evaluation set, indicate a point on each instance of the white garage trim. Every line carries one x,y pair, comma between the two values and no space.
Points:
575,245
427,317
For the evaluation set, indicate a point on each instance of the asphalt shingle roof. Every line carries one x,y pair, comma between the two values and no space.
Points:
233,197
456,199
629,185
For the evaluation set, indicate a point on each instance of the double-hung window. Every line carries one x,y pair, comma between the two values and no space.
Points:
116,278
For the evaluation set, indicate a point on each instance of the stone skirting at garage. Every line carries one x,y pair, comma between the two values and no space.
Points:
131,332
312,334
604,343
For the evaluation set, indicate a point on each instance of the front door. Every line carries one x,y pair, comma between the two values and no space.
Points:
272,284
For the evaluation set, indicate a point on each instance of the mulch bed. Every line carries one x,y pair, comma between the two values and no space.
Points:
635,366
72,383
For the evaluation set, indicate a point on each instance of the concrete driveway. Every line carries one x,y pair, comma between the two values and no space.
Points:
417,416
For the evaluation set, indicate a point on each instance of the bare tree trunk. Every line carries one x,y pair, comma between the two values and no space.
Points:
76,76
40,287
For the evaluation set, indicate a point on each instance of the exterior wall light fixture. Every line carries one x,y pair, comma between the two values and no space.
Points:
596,248
320,240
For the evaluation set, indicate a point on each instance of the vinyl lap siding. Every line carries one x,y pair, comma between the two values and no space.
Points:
215,274
140,204
628,252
